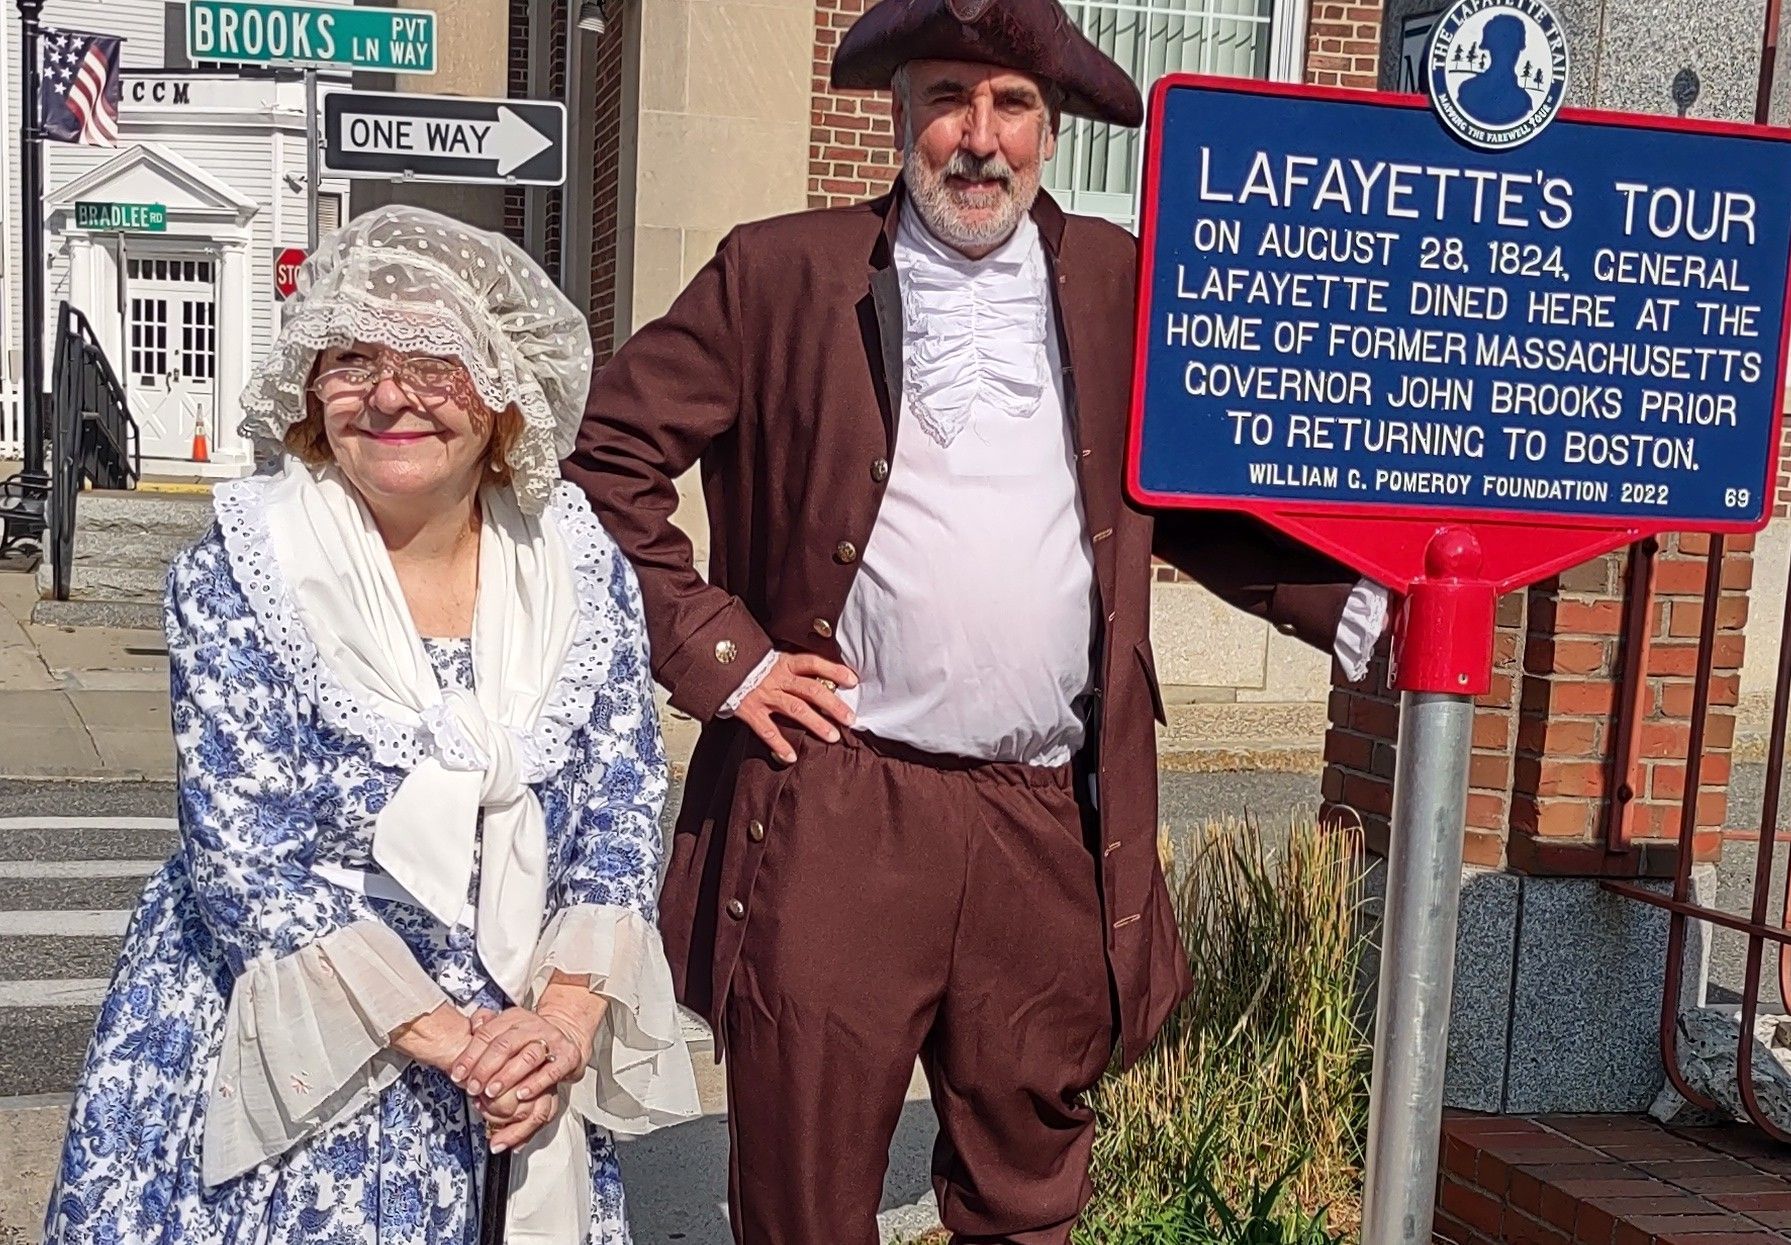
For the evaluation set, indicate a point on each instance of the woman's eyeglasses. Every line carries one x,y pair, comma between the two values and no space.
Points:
429,380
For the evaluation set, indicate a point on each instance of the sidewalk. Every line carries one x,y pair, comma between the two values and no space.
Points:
92,702
79,703
676,1179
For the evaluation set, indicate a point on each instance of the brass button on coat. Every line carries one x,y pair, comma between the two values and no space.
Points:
726,651
823,628
845,552
880,470
755,830
736,909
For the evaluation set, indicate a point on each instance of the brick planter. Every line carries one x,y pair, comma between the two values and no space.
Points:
1609,1180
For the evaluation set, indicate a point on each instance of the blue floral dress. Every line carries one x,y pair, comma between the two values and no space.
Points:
268,789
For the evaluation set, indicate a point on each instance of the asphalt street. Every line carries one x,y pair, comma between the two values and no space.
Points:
73,857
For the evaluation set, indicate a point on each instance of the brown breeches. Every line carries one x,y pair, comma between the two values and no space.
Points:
911,906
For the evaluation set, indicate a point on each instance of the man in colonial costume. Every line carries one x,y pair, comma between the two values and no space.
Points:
921,820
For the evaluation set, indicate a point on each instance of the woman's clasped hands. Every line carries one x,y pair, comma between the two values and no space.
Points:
512,1062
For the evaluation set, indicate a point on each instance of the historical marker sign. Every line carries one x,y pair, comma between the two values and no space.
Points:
319,36
444,138
1357,327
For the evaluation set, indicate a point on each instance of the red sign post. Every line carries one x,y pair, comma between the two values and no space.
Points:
1458,369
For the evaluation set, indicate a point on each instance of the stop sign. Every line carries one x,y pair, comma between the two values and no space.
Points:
286,267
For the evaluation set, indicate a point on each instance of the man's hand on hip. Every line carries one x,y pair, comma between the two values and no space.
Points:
798,688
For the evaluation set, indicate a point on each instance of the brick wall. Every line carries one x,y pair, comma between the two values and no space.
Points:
851,155
556,89
516,86
1570,732
1782,504
1608,1180
1343,44
1547,736
605,60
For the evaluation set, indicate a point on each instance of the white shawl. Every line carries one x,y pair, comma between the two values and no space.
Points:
479,755
479,752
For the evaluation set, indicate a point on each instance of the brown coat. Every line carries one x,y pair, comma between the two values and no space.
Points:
778,369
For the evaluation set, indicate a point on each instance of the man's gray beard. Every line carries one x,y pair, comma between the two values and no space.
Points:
933,199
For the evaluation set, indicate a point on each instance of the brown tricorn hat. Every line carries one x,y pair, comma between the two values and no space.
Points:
1033,36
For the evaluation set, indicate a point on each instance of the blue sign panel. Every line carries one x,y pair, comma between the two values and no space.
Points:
1344,308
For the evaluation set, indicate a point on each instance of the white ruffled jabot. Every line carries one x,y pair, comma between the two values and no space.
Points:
973,331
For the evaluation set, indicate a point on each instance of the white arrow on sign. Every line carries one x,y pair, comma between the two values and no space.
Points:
510,140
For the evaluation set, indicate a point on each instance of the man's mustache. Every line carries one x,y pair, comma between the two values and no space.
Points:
978,168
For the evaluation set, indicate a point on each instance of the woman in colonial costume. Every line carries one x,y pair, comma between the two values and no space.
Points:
411,922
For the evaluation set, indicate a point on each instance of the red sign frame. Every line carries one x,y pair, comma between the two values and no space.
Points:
1400,546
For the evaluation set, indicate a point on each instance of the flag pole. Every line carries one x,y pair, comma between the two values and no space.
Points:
31,249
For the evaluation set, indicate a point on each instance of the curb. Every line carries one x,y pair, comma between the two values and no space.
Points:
90,776
908,1223
186,487
35,1102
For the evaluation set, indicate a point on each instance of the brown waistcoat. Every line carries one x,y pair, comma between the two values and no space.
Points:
779,370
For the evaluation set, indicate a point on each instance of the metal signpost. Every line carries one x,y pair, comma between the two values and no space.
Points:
313,36
34,478
445,138
1458,371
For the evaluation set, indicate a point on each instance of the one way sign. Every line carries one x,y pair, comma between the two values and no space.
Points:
444,138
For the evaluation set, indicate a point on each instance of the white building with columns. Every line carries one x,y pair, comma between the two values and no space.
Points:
184,308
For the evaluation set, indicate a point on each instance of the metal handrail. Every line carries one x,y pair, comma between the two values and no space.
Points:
93,437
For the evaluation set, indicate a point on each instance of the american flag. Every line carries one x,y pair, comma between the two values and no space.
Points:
78,102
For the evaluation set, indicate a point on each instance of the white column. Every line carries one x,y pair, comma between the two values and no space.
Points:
93,284
234,314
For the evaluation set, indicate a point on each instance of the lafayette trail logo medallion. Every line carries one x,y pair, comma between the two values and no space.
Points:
1497,71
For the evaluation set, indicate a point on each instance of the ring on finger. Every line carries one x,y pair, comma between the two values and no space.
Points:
547,1055
829,684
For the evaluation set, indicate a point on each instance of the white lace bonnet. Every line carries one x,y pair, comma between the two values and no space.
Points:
415,280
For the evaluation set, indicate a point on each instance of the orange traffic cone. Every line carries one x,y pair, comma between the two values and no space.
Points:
201,451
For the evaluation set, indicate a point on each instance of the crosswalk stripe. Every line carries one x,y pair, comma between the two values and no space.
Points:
58,992
68,870
89,823
64,923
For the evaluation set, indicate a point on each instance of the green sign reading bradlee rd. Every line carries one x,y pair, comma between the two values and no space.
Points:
327,36
122,217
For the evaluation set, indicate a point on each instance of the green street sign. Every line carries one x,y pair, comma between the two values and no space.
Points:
122,217
322,36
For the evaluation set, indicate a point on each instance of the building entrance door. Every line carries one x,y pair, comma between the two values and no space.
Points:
171,348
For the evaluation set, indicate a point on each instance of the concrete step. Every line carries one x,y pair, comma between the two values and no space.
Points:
123,543
106,582
150,550
124,512
126,615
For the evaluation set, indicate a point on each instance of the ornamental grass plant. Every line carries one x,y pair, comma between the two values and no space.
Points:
1244,1122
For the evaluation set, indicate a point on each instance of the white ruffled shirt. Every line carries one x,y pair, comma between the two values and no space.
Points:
971,620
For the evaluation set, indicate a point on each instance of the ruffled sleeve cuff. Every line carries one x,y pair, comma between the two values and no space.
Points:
640,1075
1359,631
305,1043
